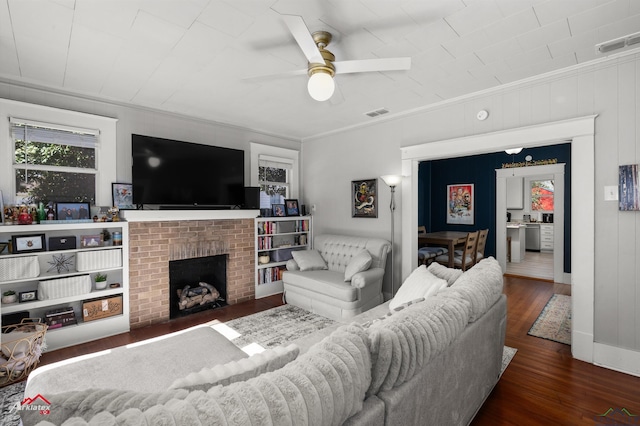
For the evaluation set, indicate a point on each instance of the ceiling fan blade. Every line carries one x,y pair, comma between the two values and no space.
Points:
276,75
302,35
366,65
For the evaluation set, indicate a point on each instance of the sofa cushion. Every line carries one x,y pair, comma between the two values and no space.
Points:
358,263
113,368
441,271
236,371
481,286
330,283
421,283
309,260
327,385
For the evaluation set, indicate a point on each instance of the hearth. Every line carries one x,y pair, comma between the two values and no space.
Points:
197,284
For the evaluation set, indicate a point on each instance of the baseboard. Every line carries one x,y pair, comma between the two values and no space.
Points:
618,359
582,346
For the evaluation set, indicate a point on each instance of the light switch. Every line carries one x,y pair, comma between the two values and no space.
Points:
611,193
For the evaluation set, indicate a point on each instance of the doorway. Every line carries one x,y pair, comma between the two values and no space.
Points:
580,132
556,258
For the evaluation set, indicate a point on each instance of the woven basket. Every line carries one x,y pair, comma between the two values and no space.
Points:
15,268
98,259
22,345
64,287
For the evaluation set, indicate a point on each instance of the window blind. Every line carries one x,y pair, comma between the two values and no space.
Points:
275,162
41,132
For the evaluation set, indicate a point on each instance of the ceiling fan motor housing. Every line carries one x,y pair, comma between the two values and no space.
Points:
322,39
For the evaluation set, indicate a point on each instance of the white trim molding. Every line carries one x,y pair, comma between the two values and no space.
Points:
580,132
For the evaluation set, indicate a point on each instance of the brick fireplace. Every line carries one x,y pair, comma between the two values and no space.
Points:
151,244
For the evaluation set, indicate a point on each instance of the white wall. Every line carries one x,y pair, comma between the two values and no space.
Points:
609,88
152,123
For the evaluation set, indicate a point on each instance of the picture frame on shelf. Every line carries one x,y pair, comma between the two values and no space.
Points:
460,202
73,211
28,296
28,243
122,196
364,198
278,210
291,207
1,209
90,241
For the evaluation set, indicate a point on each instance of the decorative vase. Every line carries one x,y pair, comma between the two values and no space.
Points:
10,299
264,259
101,285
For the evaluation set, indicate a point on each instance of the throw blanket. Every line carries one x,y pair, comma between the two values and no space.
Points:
325,386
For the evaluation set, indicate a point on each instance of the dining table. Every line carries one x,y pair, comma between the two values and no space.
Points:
449,239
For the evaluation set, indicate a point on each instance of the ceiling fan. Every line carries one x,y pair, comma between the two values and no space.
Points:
322,63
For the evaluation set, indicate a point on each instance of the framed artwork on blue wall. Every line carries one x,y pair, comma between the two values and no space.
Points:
460,204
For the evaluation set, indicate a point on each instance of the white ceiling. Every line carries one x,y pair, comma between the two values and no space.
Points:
192,57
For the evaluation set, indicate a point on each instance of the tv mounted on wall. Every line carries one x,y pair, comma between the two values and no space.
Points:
175,174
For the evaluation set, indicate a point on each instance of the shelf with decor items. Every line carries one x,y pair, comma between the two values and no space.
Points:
53,269
276,238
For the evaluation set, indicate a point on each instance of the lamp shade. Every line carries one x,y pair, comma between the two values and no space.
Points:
513,150
321,86
392,180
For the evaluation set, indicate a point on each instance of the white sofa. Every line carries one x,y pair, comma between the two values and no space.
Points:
431,361
324,289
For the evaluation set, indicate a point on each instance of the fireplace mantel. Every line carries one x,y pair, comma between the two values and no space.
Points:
171,215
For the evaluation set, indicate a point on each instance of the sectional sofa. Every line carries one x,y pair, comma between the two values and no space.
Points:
429,360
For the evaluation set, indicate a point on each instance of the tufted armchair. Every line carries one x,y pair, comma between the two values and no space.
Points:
327,291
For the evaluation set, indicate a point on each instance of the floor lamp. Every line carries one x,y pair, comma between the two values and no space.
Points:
392,181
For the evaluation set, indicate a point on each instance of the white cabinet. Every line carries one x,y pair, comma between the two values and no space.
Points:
276,238
65,279
515,193
546,237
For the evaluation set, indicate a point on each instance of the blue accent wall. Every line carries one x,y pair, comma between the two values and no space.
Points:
434,176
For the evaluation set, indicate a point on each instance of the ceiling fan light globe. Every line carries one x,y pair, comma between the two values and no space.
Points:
321,86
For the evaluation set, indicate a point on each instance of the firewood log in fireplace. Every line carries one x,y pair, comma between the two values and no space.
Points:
190,297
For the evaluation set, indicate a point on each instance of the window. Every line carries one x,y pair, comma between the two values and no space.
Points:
275,170
101,168
542,192
53,163
274,178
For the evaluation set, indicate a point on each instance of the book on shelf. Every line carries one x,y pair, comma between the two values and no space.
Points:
61,317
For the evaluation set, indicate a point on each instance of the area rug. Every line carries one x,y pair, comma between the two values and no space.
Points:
507,355
554,322
276,326
10,397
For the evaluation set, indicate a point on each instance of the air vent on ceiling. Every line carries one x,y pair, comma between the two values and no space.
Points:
618,43
377,112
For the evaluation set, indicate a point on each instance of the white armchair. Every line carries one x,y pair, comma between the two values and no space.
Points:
336,291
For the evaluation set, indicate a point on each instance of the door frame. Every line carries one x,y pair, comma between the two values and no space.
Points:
580,132
557,170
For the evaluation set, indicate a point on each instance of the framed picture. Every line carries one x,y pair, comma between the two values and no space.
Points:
73,211
278,210
364,198
460,204
291,208
88,241
1,209
628,188
122,196
28,243
28,296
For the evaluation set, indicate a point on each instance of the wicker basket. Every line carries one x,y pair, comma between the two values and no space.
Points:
98,259
22,345
64,287
16,268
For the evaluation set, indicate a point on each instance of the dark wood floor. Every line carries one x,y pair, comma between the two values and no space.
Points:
542,385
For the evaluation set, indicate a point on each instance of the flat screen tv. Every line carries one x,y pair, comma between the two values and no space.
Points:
172,173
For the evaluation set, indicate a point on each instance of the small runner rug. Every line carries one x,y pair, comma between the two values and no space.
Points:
554,322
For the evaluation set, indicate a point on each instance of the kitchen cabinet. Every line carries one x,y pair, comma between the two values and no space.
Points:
546,237
515,193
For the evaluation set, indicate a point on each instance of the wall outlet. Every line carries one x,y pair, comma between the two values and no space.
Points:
611,193
313,208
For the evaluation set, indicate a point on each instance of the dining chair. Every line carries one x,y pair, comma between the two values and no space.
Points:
426,255
482,242
463,259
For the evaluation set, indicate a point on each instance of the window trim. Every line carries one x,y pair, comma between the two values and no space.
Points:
105,148
274,153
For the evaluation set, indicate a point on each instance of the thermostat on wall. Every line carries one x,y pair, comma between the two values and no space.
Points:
482,115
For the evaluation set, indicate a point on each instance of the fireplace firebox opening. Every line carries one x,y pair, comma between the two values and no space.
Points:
197,284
